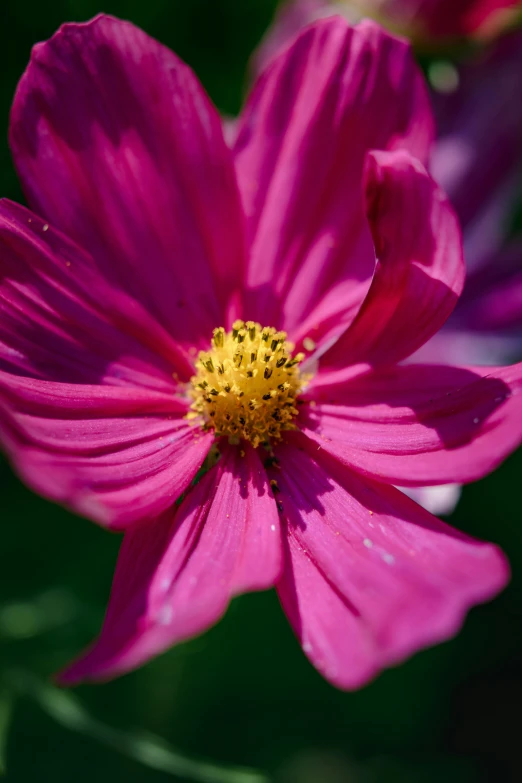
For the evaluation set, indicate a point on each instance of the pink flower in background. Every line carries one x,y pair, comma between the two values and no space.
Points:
477,159
132,391
430,24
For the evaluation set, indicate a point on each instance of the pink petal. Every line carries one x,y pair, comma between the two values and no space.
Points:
370,576
290,18
336,93
90,414
60,320
175,578
421,424
116,455
420,269
117,145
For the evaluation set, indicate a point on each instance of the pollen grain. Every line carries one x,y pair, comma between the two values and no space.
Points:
246,385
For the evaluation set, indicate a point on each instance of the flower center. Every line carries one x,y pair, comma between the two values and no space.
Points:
246,385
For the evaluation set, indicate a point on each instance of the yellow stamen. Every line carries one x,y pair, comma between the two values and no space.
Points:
247,383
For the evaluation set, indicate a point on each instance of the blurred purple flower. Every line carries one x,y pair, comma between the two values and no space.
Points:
432,22
478,161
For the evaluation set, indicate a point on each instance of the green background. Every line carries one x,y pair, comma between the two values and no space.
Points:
242,695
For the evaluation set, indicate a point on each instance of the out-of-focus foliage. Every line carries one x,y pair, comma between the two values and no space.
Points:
242,695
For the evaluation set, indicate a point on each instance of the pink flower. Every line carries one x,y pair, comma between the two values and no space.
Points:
246,465
430,24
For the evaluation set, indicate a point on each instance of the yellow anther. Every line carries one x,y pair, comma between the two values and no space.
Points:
246,385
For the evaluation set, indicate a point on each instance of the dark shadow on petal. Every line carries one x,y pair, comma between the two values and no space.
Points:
55,325
65,109
448,394
304,488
